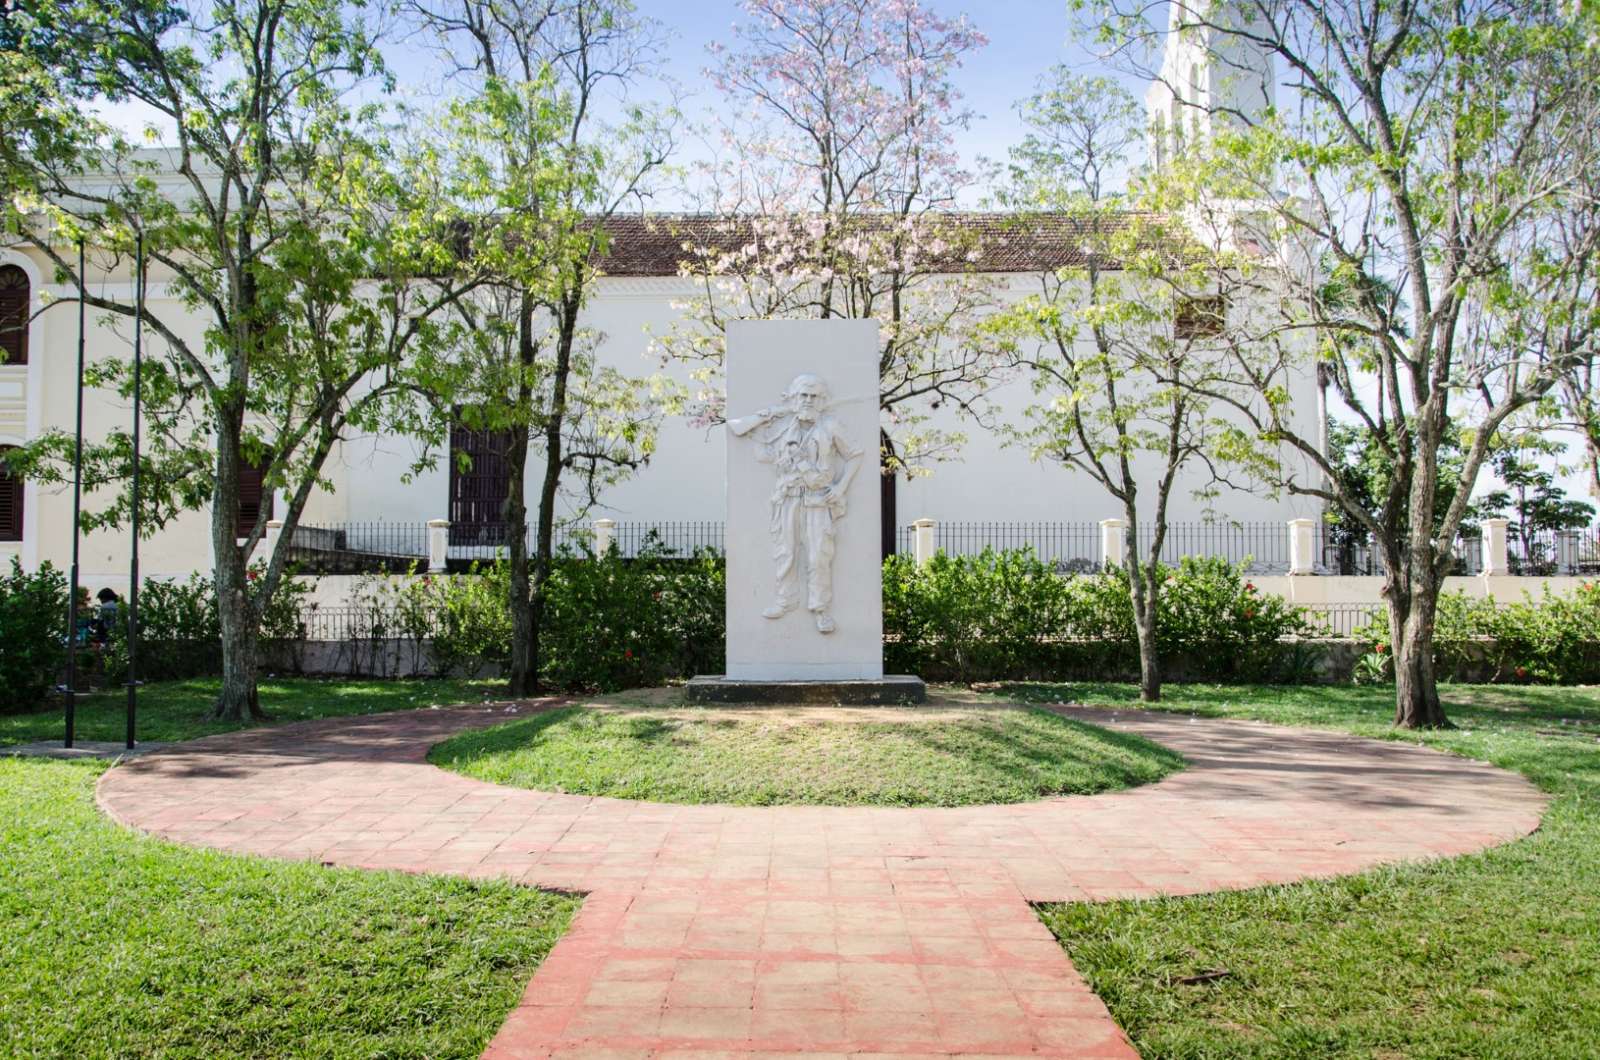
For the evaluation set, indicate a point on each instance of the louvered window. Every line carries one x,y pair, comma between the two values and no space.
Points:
255,500
10,502
13,315
478,492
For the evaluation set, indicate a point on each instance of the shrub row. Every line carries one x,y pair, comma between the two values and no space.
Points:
1550,639
1010,616
33,608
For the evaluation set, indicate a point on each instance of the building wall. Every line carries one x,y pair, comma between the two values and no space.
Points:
987,481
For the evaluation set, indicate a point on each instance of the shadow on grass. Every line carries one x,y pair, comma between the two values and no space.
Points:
1528,706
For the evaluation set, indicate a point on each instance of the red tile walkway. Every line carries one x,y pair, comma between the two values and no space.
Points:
714,931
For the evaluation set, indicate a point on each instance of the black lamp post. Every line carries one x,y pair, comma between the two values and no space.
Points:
71,689
133,563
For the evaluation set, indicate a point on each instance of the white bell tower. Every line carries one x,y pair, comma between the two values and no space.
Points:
1209,77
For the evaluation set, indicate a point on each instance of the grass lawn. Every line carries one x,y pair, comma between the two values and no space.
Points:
112,944
919,756
176,710
1490,955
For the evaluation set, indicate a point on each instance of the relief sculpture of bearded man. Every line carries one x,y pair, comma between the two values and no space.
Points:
815,464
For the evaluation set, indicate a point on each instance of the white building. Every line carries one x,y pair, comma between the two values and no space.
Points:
987,482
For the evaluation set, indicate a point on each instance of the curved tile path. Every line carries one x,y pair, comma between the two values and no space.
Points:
715,931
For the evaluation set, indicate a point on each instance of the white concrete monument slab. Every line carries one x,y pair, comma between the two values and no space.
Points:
805,598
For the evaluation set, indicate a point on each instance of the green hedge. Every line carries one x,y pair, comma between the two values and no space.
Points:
1011,616
33,611
610,623
1550,639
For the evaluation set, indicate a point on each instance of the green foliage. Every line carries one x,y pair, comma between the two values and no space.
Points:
999,614
946,756
613,623
470,619
1551,639
1010,615
33,610
179,630
1214,617
610,623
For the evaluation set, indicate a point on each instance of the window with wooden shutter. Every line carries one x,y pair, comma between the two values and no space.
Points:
1200,318
10,502
255,500
478,492
13,315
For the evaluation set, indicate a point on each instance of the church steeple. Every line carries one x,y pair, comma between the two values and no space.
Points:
1208,77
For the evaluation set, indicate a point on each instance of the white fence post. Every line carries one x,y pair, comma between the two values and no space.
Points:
1494,546
605,534
1113,541
269,540
924,540
438,545
1302,546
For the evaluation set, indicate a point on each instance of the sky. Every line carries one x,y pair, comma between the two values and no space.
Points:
1026,39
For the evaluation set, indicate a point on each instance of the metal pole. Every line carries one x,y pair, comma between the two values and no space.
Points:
71,690
133,564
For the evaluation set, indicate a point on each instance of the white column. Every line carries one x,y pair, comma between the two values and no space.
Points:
438,544
1494,546
269,540
605,533
1113,541
1302,546
924,540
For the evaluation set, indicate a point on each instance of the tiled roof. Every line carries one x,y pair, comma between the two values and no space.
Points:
653,244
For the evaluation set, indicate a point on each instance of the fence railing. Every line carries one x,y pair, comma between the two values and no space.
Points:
1071,547
1263,547
1340,620
359,548
321,623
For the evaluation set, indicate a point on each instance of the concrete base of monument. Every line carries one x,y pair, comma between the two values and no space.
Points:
888,690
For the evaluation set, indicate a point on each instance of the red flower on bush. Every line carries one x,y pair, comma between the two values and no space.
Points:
627,653
1380,648
1522,673
251,575
1249,587
1249,613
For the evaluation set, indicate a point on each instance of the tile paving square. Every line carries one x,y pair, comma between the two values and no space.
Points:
829,933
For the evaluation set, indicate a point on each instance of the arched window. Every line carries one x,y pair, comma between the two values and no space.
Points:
10,500
13,315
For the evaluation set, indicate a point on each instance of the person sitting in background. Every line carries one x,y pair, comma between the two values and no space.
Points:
101,625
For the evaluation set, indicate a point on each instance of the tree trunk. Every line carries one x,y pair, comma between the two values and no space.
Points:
236,615
1143,592
239,699
524,676
1149,654
1416,690
555,423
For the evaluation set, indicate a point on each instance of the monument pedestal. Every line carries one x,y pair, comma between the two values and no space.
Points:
888,690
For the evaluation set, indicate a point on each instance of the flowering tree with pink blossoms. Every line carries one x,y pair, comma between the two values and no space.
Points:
832,198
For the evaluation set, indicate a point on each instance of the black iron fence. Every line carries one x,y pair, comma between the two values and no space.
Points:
1072,547
1340,620
1263,547
359,548
1542,553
